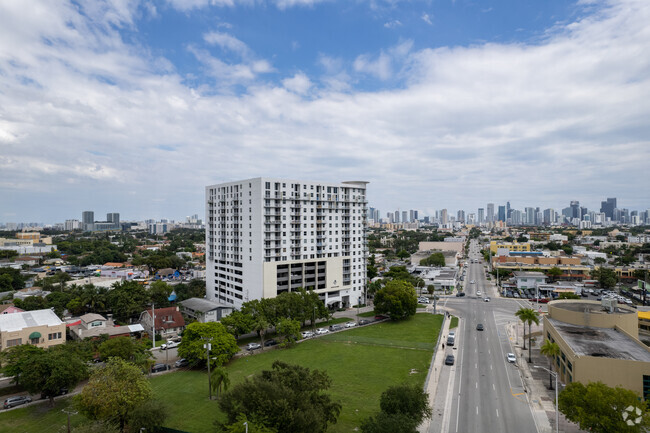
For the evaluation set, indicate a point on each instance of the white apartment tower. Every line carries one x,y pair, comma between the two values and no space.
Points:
266,236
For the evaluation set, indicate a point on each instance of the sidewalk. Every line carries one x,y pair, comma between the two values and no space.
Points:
536,383
431,382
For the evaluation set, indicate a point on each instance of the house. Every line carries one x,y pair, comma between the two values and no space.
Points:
93,325
166,274
9,309
41,328
204,310
529,280
169,321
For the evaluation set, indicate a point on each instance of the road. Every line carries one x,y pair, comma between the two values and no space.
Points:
482,392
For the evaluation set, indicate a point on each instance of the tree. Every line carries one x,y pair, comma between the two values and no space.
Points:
554,273
403,408
371,268
127,299
47,371
238,323
435,259
598,408
528,316
289,330
96,427
387,423
159,292
126,349
397,299
403,254
605,276
243,425
114,391
148,416
567,295
568,249
260,326
196,334
288,398
550,350
219,380
599,260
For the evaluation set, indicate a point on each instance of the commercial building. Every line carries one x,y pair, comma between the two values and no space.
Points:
494,246
41,328
266,236
598,342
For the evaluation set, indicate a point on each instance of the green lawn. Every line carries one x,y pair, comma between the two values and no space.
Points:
453,323
362,363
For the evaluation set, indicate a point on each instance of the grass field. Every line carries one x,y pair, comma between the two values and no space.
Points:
362,363
453,323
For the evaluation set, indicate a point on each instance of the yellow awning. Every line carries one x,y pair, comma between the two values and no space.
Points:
644,315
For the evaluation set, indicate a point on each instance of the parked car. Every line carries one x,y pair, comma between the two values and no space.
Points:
449,360
271,342
380,317
478,293
16,401
321,331
62,391
479,327
307,334
350,324
159,367
181,363
487,299
423,300
253,346
511,357
169,345
460,294
335,327
364,321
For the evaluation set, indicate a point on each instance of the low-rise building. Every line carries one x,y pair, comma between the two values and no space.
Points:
93,325
169,321
512,246
598,342
41,328
205,310
529,280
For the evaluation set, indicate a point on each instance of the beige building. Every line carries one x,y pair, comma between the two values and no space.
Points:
41,328
456,247
598,343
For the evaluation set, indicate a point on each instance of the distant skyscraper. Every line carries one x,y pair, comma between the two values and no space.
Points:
481,215
575,209
405,216
490,213
501,215
396,216
508,210
88,220
113,217
471,218
530,216
607,207
415,215
444,218
461,216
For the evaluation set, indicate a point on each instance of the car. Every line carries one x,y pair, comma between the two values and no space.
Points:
380,317
307,334
479,327
449,360
473,282
336,327
321,331
253,346
487,299
511,357
364,321
16,401
159,367
460,294
169,345
181,363
423,300
350,324
61,391
271,342
478,293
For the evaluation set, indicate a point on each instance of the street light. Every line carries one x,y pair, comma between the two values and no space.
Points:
557,413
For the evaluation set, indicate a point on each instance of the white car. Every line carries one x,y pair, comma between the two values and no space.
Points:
478,293
321,331
423,300
253,346
511,357
169,345
473,282
307,334
350,324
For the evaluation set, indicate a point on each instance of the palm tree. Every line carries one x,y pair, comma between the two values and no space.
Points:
551,350
261,325
529,316
219,379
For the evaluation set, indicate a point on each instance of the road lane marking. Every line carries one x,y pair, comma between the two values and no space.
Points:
476,410
497,413
493,388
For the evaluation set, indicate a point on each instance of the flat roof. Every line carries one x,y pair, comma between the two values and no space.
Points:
591,307
529,274
600,342
18,321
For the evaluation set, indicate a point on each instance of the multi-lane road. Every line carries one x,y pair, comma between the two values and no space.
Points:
482,391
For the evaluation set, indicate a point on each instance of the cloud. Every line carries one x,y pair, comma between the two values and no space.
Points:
393,24
228,42
426,18
87,114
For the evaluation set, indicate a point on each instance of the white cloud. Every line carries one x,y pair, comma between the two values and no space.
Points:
87,116
393,24
227,41
426,18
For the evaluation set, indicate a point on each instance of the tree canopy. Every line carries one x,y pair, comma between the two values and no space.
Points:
196,334
435,259
599,408
402,409
397,299
288,398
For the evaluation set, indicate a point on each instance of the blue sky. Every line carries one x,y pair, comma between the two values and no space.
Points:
134,106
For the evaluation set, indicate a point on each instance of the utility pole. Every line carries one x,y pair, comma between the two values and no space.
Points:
208,347
69,412
153,327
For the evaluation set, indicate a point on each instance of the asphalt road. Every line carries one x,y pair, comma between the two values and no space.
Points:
482,392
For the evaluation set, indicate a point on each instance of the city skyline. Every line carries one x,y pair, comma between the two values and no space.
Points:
136,106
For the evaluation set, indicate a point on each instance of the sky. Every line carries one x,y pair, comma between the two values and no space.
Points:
135,106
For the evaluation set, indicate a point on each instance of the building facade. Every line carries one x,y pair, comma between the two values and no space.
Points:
267,236
41,328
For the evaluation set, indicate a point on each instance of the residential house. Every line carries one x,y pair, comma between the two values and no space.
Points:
169,321
93,325
41,328
205,310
